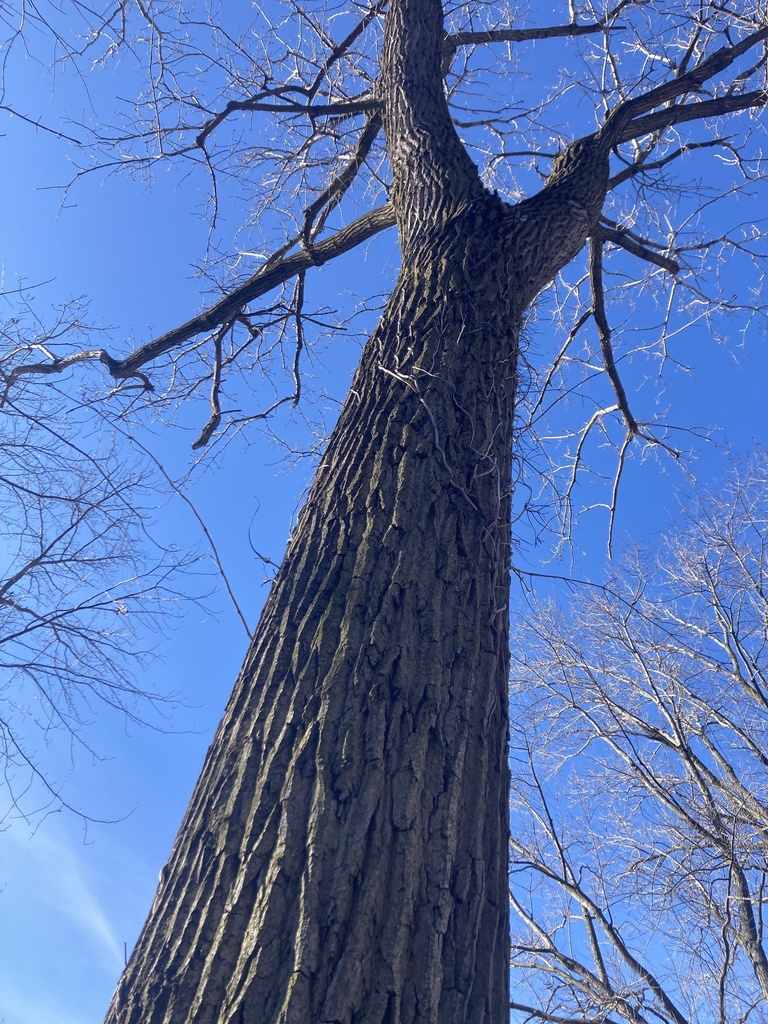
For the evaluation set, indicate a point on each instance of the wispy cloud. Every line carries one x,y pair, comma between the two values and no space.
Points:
60,955
64,887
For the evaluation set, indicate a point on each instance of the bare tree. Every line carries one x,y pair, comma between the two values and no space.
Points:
640,810
81,576
344,856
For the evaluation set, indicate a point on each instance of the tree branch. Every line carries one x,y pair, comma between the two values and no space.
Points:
215,418
618,127
517,35
259,104
225,311
643,165
555,1018
37,123
683,112
338,51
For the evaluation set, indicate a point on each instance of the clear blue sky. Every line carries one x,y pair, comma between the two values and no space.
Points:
70,898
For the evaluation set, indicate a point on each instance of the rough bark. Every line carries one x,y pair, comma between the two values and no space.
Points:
344,855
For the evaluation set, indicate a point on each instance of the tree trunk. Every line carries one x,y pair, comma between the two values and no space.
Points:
344,855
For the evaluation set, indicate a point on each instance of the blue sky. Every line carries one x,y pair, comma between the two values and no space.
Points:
71,899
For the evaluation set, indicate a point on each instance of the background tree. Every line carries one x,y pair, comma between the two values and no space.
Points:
82,573
344,856
639,856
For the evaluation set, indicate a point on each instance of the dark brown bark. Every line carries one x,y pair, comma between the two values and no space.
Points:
344,856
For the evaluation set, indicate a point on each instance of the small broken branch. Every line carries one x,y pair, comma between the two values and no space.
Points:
208,430
332,195
626,239
299,304
604,332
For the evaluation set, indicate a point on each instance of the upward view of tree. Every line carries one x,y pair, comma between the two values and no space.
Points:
640,845
344,855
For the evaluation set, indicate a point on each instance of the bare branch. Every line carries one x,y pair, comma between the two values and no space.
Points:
212,425
287,108
331,196
225,311
519,35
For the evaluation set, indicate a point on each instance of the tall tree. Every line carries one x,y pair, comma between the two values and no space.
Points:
344,855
